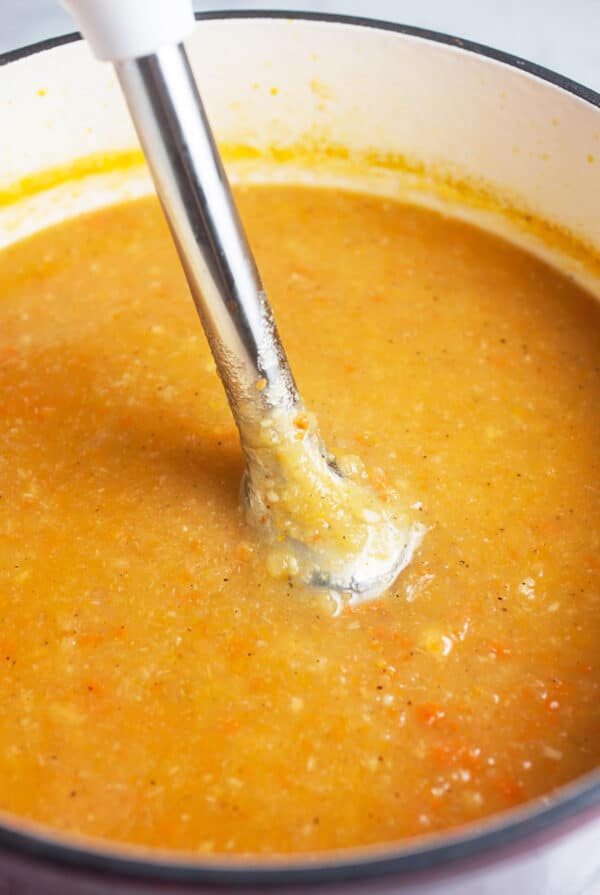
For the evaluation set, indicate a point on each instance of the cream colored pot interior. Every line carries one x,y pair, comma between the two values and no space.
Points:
421,112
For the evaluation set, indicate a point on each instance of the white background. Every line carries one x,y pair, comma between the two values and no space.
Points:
563,35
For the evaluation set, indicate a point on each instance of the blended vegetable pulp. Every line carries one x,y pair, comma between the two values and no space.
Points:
159,686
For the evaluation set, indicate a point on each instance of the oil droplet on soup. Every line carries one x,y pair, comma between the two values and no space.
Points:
158,686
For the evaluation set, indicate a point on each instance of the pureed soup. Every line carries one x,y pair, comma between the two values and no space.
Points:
159,686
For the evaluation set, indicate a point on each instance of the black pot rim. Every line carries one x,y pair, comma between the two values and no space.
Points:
488,841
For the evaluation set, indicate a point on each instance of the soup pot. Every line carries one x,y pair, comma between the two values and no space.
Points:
440,121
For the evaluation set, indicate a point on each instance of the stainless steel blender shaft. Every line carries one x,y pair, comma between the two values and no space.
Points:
176,138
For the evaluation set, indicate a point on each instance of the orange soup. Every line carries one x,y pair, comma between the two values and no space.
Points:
159,687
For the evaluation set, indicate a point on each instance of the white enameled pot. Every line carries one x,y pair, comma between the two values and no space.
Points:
456,114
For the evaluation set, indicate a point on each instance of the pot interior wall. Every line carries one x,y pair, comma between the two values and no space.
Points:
304,83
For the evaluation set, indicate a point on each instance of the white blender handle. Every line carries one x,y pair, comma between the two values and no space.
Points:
128,29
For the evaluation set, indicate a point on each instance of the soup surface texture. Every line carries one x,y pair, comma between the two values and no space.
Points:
158,685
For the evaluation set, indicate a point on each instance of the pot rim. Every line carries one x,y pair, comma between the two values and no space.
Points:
511,831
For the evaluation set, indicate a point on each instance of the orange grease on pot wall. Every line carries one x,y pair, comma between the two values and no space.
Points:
317,153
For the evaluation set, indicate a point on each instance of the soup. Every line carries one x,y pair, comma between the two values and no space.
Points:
159,687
